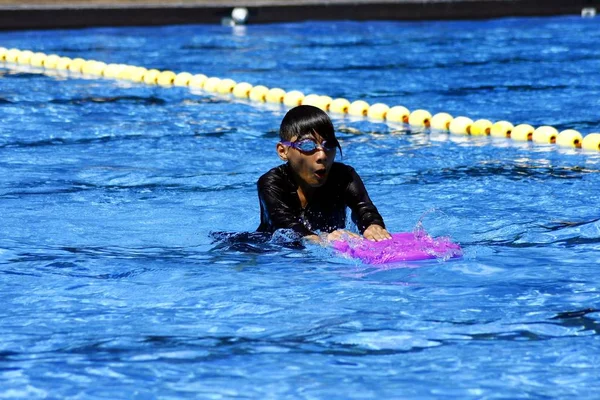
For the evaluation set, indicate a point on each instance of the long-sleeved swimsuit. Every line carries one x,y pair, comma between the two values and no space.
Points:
280,205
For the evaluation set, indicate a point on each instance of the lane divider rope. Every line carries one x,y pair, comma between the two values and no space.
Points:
379,112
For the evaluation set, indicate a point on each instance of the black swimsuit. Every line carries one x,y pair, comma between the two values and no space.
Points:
280,205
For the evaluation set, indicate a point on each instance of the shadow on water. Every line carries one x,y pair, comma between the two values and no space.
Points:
106,138
226,47
433,64
144,101
20,75
58,141
563,234
334,338
567,315
97,262
557,226
515,172
570,320
563,324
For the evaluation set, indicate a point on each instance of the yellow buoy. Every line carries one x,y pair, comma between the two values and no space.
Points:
127,72
316,101
326,102
111,71
420,118
123,72
461,126
151,76
63,63
37,59
522,132
481,127
12,55
51,61
258,93
569,138
441,121
226,86
211,84
242,90
3,51
137,75
182,79
275,95
76,65
24,57
591,142
88,66
339,105
545,134
398,114
293,98
93,67
166,78
378,111
358,108
197,81
310,99
501,129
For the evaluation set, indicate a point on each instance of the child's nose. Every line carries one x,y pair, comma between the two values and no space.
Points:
321,154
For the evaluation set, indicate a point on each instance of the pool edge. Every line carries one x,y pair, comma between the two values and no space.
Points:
79,16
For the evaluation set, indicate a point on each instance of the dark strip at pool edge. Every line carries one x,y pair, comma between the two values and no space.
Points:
75,17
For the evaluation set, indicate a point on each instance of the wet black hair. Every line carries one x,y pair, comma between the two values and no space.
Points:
302,120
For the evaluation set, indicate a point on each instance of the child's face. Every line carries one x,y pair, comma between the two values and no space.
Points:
312,167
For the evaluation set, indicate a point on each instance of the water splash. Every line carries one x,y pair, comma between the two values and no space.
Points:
441,247
436,221
256,242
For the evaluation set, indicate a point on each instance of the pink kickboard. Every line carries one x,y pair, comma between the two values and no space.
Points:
404,246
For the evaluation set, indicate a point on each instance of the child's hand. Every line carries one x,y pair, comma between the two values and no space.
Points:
376,233
341,234
326,238
314,239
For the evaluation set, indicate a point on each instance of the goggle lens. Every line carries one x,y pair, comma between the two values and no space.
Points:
308,146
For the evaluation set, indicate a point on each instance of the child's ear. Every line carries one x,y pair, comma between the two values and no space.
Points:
282,151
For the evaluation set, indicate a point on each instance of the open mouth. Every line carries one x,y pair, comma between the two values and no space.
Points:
320,173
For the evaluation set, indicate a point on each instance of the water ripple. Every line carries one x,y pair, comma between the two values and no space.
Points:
137,100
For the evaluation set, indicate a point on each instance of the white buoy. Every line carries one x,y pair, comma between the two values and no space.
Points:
239,15
588,12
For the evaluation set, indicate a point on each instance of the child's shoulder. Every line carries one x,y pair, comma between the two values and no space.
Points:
342,168
276,175
275,171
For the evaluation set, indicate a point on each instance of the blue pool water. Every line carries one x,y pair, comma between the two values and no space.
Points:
112,286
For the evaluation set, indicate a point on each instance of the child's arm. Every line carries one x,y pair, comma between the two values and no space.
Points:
276,208
368,219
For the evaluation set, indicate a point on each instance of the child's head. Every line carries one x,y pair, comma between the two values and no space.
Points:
306,119
308,144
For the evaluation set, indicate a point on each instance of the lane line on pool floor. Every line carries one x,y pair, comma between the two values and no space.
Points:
378,112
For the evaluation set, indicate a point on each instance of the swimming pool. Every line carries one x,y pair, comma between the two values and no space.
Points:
114,288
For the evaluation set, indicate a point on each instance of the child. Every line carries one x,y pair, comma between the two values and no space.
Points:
310,192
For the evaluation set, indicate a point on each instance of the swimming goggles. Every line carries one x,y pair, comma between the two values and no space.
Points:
310,146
